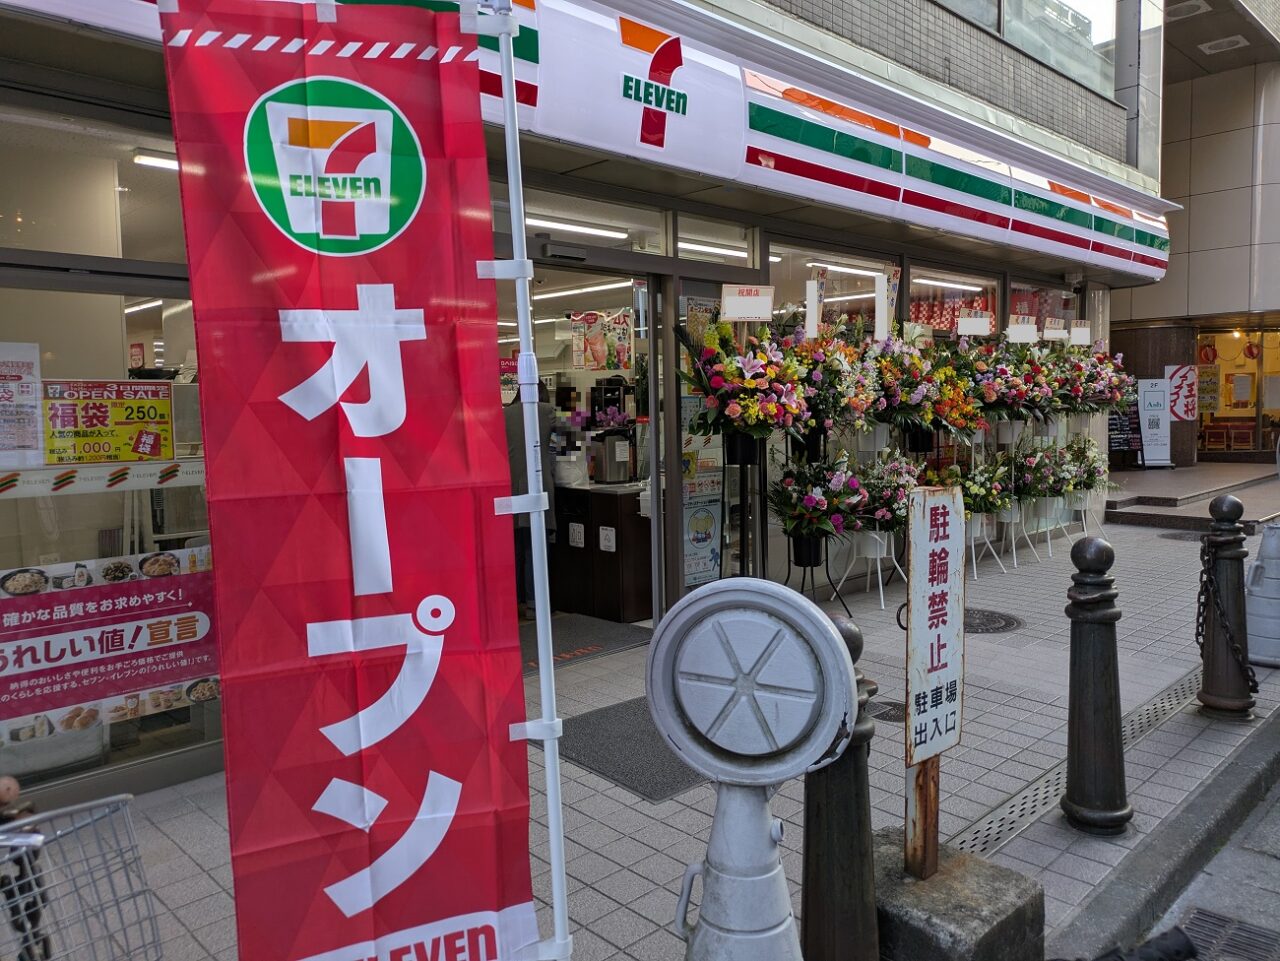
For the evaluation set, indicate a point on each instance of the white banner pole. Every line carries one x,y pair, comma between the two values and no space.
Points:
520,269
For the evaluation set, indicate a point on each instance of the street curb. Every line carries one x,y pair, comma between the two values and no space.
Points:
1148,881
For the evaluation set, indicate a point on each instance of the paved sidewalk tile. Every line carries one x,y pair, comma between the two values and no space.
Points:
625,855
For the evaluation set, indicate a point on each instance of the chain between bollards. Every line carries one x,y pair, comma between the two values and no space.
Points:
838,908
1096,799
1229,682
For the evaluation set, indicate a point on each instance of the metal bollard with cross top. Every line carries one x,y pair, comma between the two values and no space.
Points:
751,685
1229,682
1096,800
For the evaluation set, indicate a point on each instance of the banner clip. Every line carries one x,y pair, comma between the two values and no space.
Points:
504,269
537,731
494,26
524,504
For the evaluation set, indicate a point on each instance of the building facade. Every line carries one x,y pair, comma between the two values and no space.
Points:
926,158
1217,307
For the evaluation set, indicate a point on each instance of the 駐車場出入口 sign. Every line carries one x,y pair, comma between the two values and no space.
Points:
70,647
101,421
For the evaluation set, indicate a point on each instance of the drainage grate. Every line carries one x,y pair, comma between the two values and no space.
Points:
1182,536
1220,938
987,834
891,712
979,621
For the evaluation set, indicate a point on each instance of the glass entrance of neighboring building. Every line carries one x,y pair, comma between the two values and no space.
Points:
1239,393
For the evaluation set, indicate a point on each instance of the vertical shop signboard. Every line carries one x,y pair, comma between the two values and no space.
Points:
1153,408
21,440
1184,391
1209,387
335,192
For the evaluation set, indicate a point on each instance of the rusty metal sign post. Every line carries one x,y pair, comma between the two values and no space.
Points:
935,661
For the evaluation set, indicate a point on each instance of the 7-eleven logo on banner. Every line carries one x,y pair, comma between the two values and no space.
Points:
654,90
334,165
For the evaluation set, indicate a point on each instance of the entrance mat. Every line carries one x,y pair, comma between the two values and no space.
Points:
576,637
623,745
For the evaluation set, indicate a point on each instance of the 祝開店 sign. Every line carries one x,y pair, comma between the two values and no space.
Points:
371,667
102,421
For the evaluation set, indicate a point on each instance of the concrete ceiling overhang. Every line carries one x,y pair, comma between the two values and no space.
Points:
1203,37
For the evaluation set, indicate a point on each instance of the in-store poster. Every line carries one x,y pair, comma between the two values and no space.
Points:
1209,387
107,422
378,806
607,338
21,438
107,640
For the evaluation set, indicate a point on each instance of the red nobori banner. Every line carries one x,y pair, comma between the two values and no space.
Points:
336,198
98,642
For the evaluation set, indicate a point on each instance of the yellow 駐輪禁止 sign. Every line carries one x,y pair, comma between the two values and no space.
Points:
101,421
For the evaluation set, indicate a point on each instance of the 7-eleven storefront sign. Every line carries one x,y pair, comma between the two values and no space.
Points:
335,209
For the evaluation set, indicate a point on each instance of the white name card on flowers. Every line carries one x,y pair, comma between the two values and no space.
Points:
1081,335
1023,329
935,622
1055,328
746,304
974,323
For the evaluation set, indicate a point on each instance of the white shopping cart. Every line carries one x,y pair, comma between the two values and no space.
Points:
72,887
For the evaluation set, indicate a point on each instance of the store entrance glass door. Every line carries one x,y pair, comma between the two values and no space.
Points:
595,399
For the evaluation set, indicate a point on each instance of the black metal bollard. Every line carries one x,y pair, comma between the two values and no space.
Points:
1096,799
838,907
1229,682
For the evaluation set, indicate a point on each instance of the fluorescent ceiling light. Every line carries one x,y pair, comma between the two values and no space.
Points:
507,323
576,228
710,249
134,308
944,283
550,320
836,268
154,158
832,300
597,288
508,340
773,259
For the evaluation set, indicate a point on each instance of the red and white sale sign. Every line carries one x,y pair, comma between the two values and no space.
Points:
336,199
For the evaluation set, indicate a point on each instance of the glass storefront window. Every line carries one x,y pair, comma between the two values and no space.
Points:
1075,37
1239,391
984,12
75,188
105,565
1044,304
950,303
567,219
849,292
716,241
